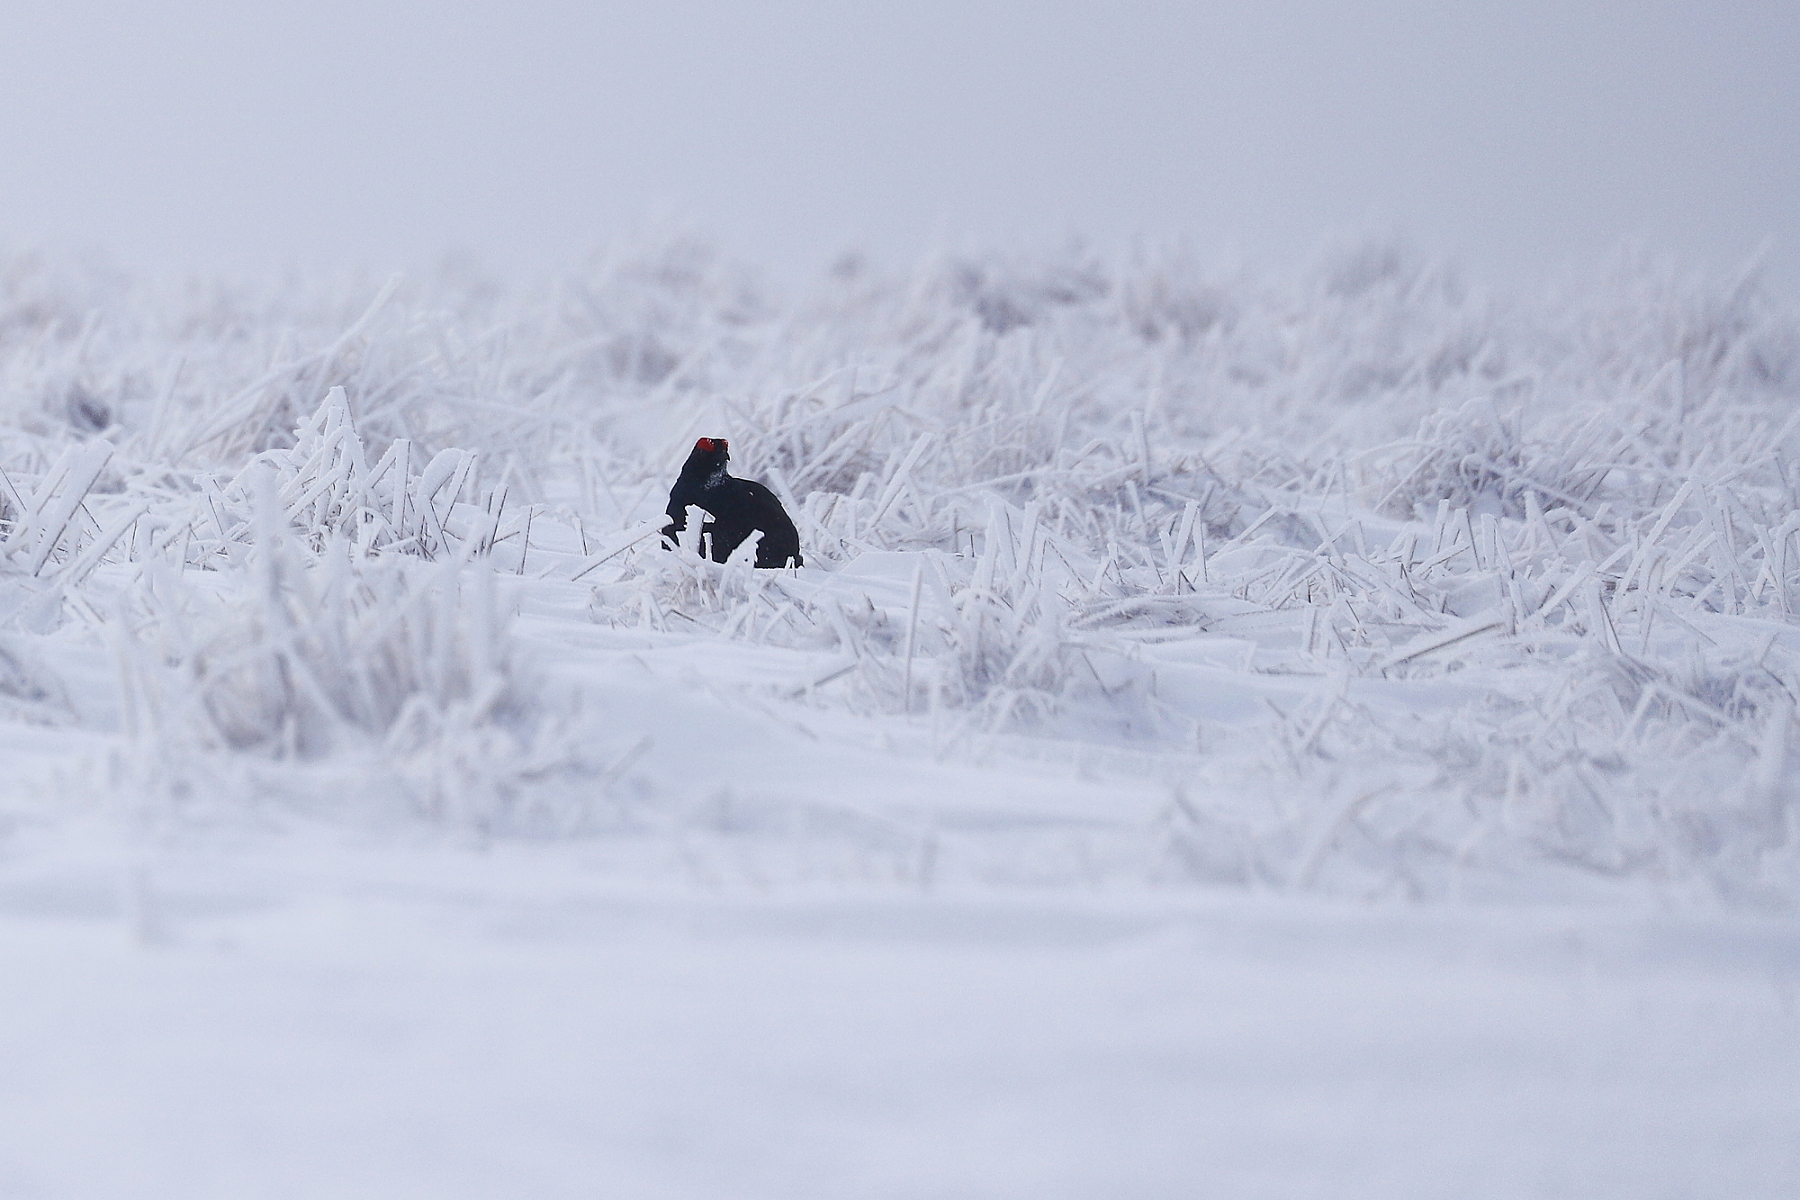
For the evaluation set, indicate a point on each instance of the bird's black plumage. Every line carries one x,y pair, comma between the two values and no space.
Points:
738,507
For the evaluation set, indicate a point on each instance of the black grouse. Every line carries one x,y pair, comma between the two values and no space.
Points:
738,507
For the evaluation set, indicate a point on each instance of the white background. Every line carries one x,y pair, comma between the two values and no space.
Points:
1515,137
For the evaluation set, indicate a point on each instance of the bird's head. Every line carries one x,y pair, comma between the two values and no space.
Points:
707,459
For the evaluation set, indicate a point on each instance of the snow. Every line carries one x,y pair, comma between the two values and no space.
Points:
1233,735
326,1021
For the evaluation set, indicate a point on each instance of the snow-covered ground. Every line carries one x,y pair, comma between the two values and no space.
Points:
324,1020
1233,735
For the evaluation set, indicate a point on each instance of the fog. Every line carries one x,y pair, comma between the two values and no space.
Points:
1516,138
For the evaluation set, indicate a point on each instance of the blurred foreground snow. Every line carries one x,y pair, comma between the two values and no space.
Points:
314,1020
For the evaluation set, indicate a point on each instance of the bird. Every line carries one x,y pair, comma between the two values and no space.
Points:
738,507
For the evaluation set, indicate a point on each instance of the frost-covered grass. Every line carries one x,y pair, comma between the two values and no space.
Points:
387,815
1367,581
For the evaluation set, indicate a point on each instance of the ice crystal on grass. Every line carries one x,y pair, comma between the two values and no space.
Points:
322,642
349,687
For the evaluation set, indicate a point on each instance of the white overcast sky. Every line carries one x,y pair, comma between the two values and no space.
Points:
1515,136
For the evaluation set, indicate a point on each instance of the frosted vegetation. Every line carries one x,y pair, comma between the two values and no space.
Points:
1375,582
